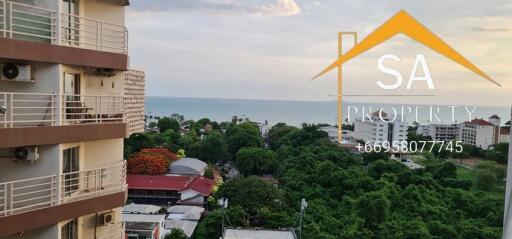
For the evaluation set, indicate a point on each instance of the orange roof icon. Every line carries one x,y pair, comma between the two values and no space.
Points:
404,23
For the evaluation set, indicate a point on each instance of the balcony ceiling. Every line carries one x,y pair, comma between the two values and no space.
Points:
121,2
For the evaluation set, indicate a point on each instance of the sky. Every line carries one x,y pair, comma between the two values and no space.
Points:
270,49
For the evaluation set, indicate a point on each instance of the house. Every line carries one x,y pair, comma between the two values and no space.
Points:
63,118
188,166
169,189
144,226
258,234
184,218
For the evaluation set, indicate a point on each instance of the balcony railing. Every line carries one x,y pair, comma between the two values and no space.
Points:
43,192
27,22
93,183
34,109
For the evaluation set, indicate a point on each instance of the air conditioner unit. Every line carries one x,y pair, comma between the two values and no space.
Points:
29,154
106,218
13,72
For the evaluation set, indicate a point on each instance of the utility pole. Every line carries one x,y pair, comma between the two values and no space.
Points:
303,206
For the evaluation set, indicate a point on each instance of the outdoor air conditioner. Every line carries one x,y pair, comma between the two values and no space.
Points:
13,72
106,218
29,154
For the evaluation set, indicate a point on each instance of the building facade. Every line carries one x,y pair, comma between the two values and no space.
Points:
380,128
134,89
440,132
478,132
62,118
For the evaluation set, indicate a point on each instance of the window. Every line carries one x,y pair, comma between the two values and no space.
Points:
70,230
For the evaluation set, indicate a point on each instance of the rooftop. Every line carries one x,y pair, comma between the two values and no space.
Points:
140,226
188,166
199,184
187,226
479,122
143,218
258,234
184,212
141,209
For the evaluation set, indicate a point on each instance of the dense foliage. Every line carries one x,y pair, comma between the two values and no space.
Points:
147,164
349,198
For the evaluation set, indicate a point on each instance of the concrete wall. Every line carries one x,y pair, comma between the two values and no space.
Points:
46,78
48,164
102,10
49,232
102,152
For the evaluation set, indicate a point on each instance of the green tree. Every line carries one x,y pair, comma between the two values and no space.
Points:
373,207
256,161
243,135
137,142
213,148
251,193
176,233
485,179
166,123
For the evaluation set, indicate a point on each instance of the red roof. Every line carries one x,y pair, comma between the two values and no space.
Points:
480,122
199,184
202,185
158,182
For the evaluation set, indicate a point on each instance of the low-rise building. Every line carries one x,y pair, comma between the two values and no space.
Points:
147,226
183,217
169,189
440,132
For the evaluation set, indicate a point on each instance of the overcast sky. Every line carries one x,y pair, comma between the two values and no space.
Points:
270,49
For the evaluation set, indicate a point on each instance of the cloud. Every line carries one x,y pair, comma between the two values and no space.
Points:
488,29
220,7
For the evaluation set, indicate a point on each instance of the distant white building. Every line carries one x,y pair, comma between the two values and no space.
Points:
440,132
332,132
478,132
141,209
381,127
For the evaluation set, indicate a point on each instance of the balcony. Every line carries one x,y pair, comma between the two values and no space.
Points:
37,193
39,109
31,23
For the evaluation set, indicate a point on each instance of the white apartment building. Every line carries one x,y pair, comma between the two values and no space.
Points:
478,132
381,127
134,88
62,118
440,132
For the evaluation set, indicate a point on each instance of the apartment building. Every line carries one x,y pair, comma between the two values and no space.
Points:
379,128
478,132
134,88
440,132
62,118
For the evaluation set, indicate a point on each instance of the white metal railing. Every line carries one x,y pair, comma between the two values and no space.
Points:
38,109
29,194
28,22
42,192
93,34
27,109
93,182
79,109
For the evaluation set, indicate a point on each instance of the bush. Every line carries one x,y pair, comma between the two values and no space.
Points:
485,179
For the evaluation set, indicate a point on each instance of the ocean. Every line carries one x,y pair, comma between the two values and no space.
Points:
298,112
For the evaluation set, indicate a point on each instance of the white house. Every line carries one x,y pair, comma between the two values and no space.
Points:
380,127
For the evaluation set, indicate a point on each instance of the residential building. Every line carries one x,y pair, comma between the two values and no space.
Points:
169,189
259,234
440,132
62,118
188,166
478,132
134,88
183,217
380,127
147,226
332,133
